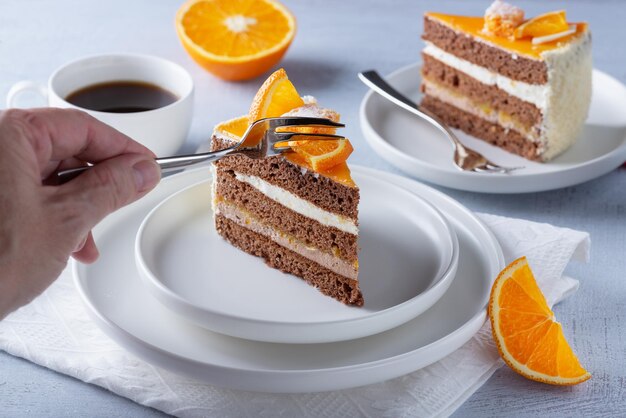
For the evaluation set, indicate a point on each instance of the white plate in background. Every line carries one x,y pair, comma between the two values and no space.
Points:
420,150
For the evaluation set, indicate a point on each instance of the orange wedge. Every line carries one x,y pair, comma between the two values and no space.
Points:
529,338
543,25
322,155
276,97
233,128
235,39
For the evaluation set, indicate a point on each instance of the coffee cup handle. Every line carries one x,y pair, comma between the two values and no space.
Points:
23,86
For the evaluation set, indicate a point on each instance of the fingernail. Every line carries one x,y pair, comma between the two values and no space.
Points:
80,245
147,175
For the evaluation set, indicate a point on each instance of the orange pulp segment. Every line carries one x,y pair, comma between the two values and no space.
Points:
235,39
527,335
276,97
339,173
543,25
322,154
233,128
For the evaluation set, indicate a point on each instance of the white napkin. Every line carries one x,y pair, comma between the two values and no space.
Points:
55,331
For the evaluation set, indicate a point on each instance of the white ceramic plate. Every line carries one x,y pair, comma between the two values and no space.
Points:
420,150
408,258
118,302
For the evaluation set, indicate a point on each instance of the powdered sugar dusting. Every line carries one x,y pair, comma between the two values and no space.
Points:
312,110
502,18
505,10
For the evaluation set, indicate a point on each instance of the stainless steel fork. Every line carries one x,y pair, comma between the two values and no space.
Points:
465,158
263,133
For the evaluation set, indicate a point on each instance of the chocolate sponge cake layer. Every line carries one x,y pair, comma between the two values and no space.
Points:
492,133
462,84
321,191
480,53
307,230
326,281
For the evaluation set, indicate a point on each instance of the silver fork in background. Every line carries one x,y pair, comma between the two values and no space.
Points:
464,158
261,132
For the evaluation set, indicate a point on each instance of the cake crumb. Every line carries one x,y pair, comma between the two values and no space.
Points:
312,110
502,18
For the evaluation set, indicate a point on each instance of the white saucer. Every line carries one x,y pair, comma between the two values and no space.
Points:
408,257
420,150
118,302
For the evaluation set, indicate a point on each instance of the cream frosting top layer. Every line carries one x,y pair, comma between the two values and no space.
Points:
299,205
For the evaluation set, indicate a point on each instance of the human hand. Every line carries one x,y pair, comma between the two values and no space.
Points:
41,226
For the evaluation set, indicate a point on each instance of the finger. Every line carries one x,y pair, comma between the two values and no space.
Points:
57,134
88,253
106,187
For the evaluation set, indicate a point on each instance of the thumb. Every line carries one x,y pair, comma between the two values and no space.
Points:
110,185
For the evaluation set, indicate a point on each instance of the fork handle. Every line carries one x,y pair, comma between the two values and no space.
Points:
167,164
177,162
374,81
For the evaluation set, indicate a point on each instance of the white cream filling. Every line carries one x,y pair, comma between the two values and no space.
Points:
537,94
298,205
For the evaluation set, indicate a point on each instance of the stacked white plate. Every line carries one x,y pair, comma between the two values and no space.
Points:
170,290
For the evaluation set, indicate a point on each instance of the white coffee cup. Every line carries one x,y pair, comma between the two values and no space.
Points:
163,130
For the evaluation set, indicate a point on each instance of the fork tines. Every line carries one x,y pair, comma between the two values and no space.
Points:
286,136
302,121
277,140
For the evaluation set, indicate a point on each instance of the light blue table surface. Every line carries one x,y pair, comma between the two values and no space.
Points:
335,40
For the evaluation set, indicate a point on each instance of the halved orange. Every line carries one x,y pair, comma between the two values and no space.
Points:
235,39
322,155
543,25
529,338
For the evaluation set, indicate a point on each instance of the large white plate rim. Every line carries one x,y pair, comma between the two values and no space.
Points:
164,358
173,300
616,156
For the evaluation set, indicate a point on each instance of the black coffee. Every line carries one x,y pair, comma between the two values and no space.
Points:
121,97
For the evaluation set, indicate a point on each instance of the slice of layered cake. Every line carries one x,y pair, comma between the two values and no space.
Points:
522,85
298,210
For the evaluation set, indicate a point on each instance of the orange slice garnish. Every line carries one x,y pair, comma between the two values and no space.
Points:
322,154
233,128
235,39
529,338
276,97
543,25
